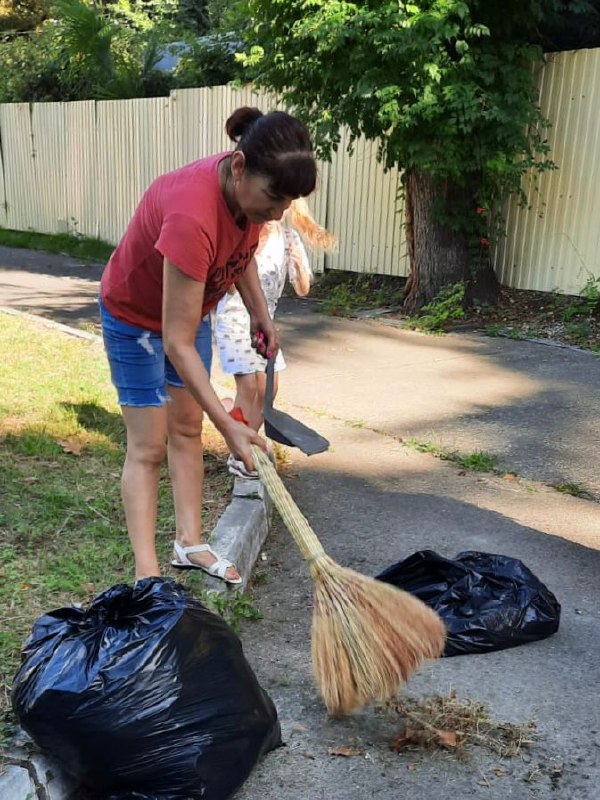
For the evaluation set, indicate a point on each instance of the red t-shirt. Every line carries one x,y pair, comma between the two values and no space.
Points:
183,217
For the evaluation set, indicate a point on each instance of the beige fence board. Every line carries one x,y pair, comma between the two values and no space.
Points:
361,211
117,183
81,168
22,212
3,198
50,153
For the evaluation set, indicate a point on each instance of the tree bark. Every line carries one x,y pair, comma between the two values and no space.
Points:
439,254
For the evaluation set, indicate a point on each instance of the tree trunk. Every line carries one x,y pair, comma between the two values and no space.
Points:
439,254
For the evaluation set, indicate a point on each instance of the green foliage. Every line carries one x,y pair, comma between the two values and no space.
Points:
588,304
448,305
591,294
95,51
479,461
207,62
445,86
233,607
578,332
510,332
342,294
85,53
23,15
342,302
574,489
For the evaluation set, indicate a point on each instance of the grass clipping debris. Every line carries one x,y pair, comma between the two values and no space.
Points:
445,721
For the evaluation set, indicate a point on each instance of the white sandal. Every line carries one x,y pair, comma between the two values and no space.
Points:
217,570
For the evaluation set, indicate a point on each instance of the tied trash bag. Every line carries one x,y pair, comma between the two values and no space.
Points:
147,695
488,602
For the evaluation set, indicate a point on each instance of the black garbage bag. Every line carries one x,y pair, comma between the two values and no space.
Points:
146,694
488,602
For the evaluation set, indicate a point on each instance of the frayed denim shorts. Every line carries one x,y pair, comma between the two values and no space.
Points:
139,368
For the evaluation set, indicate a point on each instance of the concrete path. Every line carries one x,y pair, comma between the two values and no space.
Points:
373,501
51,285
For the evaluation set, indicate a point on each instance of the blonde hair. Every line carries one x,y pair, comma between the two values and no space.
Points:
298,216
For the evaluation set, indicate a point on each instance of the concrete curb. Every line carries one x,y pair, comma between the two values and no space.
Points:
239,536
241,531
50,323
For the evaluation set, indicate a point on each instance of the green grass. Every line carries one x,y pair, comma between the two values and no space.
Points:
76,246
478,461
62,528
234,607
507,331
574,489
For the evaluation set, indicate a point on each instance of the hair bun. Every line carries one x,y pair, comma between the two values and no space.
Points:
240,121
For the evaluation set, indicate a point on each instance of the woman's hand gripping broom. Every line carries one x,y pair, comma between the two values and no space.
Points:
367,636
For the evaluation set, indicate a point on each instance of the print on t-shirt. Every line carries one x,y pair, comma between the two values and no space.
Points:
221,278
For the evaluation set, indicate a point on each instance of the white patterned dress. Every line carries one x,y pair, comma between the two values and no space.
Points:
231,322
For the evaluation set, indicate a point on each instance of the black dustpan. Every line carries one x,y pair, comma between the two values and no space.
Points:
285,429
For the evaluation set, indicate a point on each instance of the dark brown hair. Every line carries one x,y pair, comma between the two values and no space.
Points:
277,146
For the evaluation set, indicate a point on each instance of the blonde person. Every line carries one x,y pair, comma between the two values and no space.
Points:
192,236
280,255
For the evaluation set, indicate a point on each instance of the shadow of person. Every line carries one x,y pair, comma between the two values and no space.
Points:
94,417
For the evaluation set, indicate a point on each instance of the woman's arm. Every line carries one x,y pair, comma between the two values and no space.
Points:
181,316
248,285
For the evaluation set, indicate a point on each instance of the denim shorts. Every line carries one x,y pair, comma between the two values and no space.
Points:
139,368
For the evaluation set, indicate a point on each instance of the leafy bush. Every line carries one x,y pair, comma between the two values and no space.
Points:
93,52
588,304
446,306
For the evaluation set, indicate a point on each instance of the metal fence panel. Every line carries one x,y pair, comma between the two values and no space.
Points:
49,155
363,210
553,242
81,168
22,212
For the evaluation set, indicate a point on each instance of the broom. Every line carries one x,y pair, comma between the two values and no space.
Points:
367,636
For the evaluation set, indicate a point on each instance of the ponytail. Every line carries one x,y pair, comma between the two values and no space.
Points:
240,122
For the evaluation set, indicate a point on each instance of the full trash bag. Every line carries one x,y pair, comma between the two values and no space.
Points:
146,694
488,602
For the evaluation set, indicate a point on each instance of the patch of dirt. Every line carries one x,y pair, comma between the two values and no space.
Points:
565,319
519,314
538,315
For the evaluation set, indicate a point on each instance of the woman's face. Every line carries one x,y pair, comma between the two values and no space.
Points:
253,194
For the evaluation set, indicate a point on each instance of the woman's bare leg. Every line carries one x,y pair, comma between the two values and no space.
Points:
186,467
146,448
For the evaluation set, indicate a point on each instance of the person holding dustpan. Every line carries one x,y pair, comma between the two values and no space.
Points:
280,255
192,236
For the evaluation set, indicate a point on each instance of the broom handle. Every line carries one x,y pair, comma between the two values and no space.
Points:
294,519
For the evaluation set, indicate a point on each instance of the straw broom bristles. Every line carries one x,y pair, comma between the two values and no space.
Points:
367,636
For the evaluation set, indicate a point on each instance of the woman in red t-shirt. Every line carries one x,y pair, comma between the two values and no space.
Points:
192,236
